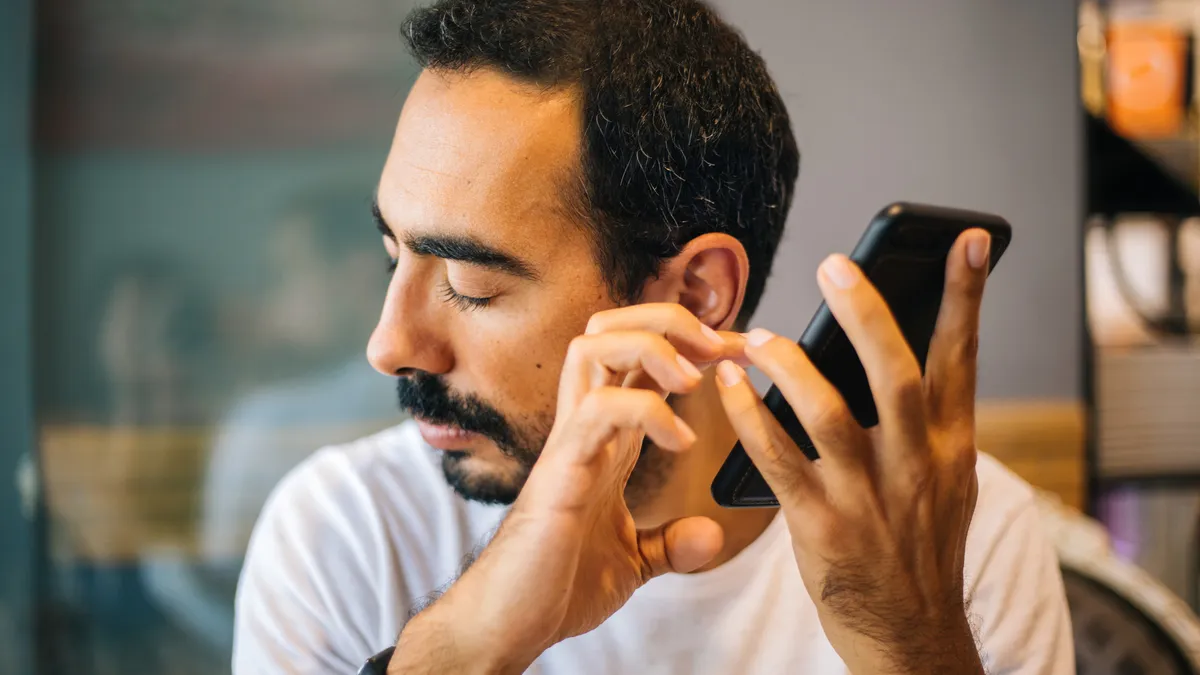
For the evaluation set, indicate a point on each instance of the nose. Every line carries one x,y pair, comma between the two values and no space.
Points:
407,337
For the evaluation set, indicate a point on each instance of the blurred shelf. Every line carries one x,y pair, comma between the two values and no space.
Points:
1142,176
1147,412
1178,156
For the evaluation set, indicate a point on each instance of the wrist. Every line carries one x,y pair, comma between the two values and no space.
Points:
440,640
933,644
950,648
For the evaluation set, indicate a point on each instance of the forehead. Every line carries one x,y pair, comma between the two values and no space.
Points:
483,155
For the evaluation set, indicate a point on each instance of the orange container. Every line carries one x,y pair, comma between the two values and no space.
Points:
1146,78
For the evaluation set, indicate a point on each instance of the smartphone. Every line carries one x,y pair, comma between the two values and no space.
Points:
903,253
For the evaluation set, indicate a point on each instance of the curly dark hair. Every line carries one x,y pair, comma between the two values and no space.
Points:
684,130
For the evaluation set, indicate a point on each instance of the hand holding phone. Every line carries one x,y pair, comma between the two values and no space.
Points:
903,253
879,528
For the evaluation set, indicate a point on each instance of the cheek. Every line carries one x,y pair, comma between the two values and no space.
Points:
515,358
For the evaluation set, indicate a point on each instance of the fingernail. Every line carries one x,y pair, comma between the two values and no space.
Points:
759,337
685,432
978,248
730,373
839,270
712,335
688,368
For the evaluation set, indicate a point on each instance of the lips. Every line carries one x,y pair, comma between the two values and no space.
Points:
446,436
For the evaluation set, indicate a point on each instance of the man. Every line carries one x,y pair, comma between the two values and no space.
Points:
582,201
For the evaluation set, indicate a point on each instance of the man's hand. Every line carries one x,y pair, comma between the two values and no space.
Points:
568,554
879,524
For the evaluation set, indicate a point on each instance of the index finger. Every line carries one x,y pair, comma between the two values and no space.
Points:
681,328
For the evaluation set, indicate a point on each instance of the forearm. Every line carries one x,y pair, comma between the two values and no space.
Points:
435,641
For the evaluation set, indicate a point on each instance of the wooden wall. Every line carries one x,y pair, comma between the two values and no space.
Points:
1041,441
114,492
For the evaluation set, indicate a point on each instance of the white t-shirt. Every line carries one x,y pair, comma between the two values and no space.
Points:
358,535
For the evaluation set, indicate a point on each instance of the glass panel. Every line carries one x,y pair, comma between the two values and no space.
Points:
207,275
17,478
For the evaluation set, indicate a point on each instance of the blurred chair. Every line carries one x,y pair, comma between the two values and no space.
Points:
1125,622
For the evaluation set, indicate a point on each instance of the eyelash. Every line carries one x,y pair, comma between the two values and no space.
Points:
461,302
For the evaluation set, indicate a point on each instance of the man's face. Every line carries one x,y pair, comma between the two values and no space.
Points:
493,275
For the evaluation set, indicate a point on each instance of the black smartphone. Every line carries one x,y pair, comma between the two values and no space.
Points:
903,253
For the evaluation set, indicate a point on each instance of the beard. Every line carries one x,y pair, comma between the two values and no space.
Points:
428,398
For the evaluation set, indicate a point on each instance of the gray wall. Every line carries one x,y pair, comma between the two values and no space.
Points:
970,104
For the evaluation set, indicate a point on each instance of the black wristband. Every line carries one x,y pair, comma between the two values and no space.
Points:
378,664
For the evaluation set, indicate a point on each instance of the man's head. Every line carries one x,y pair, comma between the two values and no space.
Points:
557,158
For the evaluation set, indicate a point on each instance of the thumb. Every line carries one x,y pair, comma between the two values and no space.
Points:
683,545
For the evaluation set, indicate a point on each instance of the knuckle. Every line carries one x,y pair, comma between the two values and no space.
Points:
598,322
578,348
741,406
830,417
972,286
657,345
969,347
906,385
874,312
596,403
963,458
678,314
648,403
772,450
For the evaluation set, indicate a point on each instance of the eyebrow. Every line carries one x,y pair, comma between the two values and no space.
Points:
460,248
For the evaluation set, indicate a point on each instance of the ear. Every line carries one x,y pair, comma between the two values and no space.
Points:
708,277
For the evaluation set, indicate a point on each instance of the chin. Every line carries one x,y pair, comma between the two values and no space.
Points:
485,480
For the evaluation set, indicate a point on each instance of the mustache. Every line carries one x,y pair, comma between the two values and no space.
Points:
428,398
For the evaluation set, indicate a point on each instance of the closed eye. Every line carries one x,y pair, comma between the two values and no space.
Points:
462,302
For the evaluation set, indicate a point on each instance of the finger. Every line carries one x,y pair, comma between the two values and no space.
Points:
892,369
592,360
792,477
682,546
606,411
950,368
818,405
691,337
638,379
734,350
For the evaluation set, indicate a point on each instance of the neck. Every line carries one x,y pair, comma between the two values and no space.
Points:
687,491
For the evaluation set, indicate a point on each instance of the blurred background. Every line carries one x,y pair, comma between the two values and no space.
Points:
189,271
